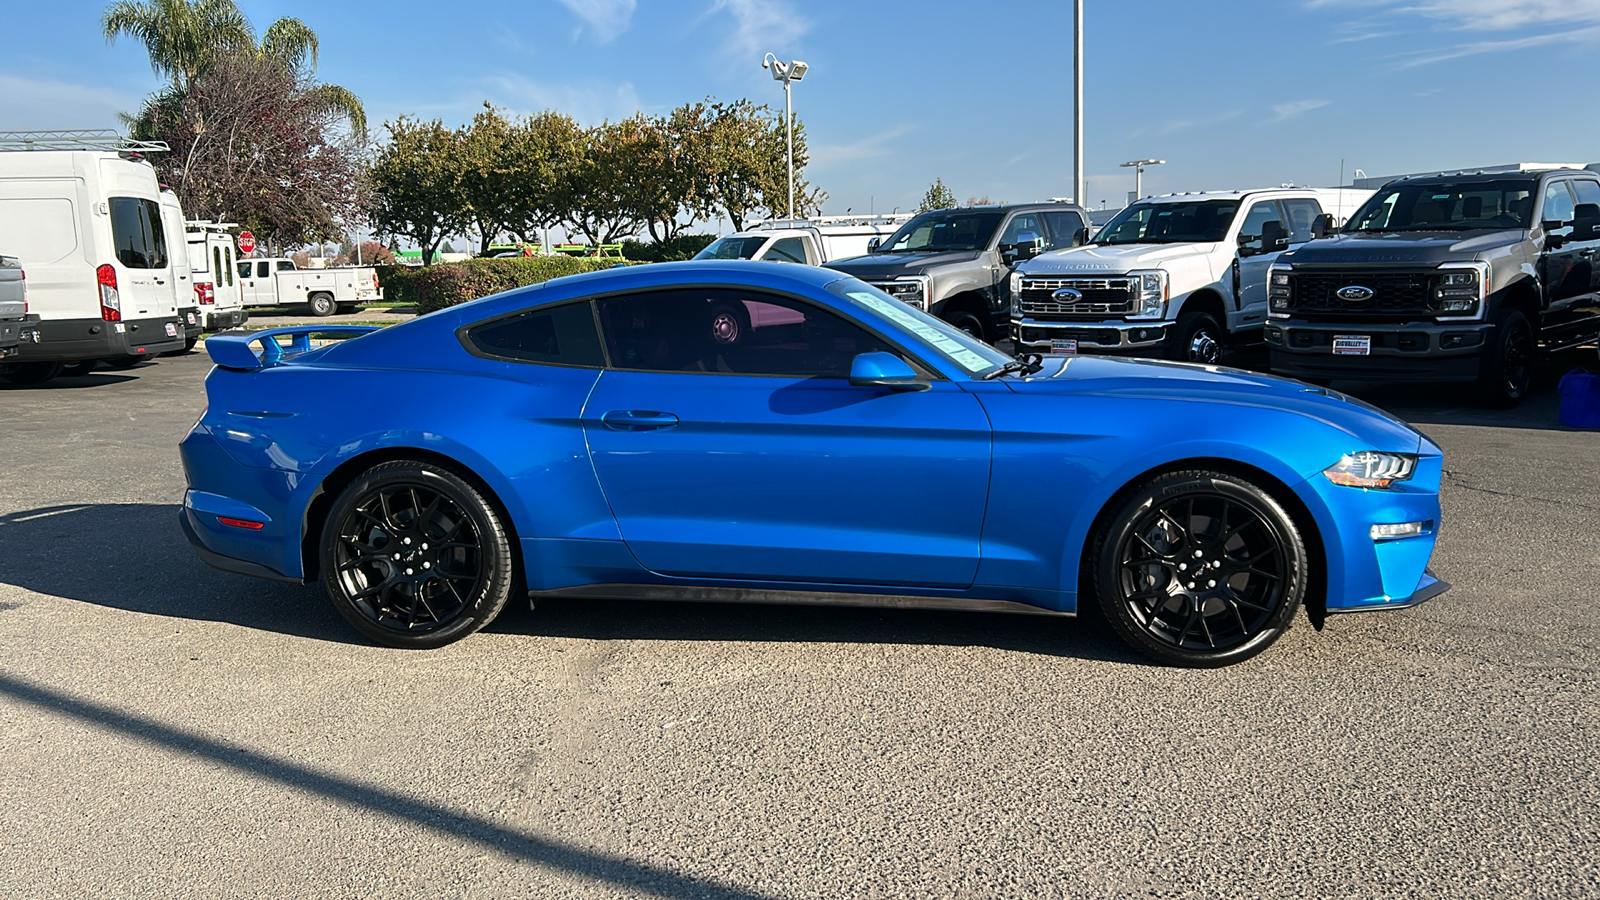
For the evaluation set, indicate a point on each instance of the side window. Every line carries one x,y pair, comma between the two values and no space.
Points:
1301,212
1587,191
244,269
564,335
229,251
263,269
136,233
1020,223
721,330
786,250
285,265
1260,214
1557,202
1061,227
216,260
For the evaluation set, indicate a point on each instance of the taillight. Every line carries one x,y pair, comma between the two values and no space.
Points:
205,293
246,524
110,301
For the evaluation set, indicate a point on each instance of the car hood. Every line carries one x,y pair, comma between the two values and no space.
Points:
1422,247
1109,258
881,266
1154,379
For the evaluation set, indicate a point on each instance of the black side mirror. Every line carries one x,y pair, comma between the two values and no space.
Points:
1586,222
1322,226
1027,245
1080,237
1273,237
872,244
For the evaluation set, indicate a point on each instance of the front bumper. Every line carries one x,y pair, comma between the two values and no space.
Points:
1106,336
1416,351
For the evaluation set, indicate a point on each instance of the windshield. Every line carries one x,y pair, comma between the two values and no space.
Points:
1447,207
945,230
934,337
1170,223
732,247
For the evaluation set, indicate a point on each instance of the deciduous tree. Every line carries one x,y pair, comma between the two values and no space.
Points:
416,184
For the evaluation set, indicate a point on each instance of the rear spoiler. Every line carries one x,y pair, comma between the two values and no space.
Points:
232,349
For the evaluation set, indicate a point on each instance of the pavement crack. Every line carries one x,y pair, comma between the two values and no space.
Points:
1456,479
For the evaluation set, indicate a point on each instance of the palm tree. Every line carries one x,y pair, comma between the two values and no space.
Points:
185,37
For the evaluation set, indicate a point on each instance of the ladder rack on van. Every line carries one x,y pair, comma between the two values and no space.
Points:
84,139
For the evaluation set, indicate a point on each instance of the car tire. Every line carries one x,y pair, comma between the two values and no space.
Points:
1507,369
123,362
32,372
1197,338
968,321
415,557
322,306
1250,555
730,324
79,369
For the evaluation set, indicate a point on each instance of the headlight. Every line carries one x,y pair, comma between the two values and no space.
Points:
1459,279
1280,290
909,289
1371,469
1016,285
1460,292
1150,295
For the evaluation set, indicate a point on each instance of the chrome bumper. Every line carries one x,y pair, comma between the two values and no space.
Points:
1112,335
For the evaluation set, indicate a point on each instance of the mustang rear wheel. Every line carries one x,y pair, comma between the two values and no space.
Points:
1200,569
415,557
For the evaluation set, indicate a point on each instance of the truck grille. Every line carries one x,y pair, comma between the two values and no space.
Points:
1101,297
1395,294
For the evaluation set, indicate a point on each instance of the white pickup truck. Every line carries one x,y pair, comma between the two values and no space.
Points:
811,242
14,325
1180,276
278,282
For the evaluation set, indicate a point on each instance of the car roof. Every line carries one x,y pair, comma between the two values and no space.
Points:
1192,196
755,273
1481,177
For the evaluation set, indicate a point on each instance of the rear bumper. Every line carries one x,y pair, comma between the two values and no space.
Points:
1400,352
16,332
225,563
77,340
221,320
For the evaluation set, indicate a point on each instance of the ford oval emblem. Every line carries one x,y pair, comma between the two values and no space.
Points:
1355,293
1067,295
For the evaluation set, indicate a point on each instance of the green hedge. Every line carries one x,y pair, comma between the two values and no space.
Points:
446,284
684,247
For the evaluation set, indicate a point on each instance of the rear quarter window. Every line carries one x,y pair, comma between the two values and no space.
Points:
561,335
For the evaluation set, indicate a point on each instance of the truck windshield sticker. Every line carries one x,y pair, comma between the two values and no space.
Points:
929,332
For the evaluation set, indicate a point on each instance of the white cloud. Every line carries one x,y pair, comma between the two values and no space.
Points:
762,26
605,18
1582,35
34,104
1482,15
1283,111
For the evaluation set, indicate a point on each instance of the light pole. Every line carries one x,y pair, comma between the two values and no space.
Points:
788,73
1078,187
1138,173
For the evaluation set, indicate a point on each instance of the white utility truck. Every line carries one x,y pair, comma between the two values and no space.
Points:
276,281
82,211
808,241
1179,276
216,282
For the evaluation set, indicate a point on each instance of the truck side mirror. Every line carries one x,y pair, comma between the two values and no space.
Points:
1273,237
1322,226
1586,222
872,244
1027,245
1080,237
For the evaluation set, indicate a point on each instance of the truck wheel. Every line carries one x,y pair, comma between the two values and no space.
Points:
969,322
730,322
322,305
1197,338
32,372
79,369
1508,366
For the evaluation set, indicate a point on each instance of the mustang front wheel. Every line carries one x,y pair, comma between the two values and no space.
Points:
415,557
1200,569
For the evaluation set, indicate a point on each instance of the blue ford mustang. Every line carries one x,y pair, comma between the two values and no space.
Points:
771,433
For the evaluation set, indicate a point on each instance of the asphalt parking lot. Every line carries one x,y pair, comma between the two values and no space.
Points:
169,730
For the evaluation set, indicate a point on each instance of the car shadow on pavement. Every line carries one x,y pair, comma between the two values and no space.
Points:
98,378
631,878
134,557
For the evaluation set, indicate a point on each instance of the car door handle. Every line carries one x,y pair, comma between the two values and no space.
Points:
638,420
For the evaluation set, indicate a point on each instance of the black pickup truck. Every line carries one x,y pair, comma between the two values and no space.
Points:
956,263
1461,277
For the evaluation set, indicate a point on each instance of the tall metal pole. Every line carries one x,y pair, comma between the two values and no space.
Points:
788,121
1138,180
1079,189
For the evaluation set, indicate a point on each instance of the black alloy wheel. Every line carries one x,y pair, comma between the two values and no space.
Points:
1200,569
1197,338
322,305
31,372
1508,368
415,557
968,322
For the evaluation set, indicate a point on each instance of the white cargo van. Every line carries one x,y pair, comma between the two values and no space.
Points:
82,211
215,285
183,295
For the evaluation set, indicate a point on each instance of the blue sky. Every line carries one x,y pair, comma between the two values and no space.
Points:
1233,93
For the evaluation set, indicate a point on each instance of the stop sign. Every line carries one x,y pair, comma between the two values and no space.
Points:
247,242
